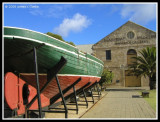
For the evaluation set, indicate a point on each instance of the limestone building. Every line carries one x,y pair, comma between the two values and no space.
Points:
85,48
117,48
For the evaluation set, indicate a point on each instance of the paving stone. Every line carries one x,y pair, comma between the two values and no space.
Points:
116,104
121,104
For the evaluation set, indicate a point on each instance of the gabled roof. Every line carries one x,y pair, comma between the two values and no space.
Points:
127,23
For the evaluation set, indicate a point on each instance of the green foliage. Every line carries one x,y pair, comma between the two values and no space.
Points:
71,43
59,37
146,65
55,36
106,77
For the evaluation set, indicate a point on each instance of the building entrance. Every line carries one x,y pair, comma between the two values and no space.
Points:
132,80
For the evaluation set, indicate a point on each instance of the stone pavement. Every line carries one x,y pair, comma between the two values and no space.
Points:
82,108
119,104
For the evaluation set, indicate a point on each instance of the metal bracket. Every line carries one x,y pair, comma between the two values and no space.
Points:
51,74
53,99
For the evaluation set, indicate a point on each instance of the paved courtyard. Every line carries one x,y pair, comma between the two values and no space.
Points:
121,104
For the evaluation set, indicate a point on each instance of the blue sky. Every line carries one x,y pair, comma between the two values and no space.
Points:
81,23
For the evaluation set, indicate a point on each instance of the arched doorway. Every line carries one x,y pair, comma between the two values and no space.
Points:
131,53
130,79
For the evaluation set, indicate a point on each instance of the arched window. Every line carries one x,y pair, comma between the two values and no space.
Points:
131,53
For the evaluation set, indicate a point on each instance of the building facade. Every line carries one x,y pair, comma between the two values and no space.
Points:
85,48
117,48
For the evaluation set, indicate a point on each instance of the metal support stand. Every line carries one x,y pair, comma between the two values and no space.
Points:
75,99
92,95
37,82
62,96
53,99
82,91
38,89
52,74
79,91
56,97
91,90
76,103
85,98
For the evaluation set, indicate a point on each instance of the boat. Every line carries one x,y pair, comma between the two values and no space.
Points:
19,67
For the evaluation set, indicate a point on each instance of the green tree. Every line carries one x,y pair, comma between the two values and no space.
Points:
146,65
59,37
55,36
71,43
106,78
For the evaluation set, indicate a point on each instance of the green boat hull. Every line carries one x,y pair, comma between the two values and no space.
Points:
18,54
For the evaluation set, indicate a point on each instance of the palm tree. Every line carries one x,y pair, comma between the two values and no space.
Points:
146,65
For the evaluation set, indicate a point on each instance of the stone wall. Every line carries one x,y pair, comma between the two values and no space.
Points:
119,43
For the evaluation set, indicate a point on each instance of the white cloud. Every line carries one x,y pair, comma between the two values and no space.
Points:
36,12
140,13
76,24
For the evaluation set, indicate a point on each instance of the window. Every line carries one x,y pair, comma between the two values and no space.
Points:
108,54
130,35
130,54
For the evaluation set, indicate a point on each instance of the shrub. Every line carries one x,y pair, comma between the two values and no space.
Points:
106,78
